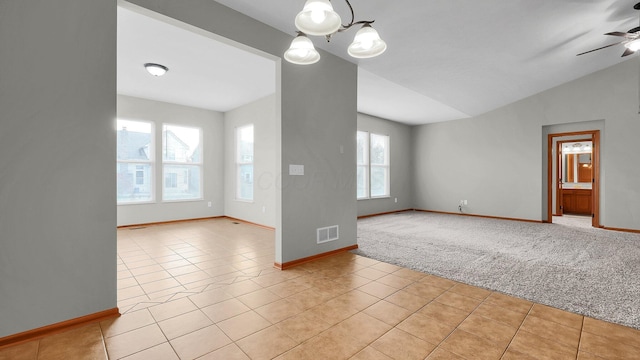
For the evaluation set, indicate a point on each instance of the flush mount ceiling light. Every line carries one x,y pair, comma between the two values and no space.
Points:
318,18
156,69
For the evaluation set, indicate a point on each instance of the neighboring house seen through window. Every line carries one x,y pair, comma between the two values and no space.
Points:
171,181
373,174
135,161
244,163
181,163
139,175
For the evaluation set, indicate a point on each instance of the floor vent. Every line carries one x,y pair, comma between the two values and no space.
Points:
138,228
327,234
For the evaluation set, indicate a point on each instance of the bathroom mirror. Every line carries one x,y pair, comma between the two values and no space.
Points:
577,167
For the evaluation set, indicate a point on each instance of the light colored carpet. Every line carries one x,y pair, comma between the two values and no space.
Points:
584,270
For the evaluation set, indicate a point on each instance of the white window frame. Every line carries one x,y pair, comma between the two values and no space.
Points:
367,165
198,164
151,162
386,166
364,164
243,162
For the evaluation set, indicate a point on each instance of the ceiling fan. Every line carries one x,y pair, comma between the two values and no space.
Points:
631,40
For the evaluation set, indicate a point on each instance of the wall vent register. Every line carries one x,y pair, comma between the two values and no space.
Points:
327,234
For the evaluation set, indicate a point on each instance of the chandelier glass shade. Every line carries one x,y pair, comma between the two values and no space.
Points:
319,19
302,51
367,43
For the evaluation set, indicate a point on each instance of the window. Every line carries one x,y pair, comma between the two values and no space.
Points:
373,174
362,179
244,163
379,159
134,161
181,163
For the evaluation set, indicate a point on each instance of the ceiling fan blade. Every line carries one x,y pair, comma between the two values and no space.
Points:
600,48
627,52
618,33
634,30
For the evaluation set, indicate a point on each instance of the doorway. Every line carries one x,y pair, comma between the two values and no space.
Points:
573,176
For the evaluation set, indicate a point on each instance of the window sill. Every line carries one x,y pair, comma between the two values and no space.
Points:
136,203
375,198
244,201
181,200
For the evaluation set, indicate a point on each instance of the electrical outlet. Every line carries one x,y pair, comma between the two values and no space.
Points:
465,203
396,199
209,204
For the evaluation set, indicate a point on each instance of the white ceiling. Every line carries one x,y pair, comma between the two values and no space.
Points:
446,59
203,72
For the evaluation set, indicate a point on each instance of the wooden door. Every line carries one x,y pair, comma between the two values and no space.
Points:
559,180
595,180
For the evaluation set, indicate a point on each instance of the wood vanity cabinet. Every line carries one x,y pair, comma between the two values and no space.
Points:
576,201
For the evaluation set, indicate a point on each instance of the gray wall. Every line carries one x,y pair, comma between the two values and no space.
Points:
318,120
497,161
212,125
57,150
316,114
401,165
262,210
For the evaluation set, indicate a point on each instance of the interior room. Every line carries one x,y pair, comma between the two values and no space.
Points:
232,229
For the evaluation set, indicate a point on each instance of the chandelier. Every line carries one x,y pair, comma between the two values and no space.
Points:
319,19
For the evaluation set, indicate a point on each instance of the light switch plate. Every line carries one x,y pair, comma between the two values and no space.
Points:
296,169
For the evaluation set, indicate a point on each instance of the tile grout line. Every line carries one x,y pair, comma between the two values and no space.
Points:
38,349
349,317
580,339
104,341
383,299
417,311
438,346
518,330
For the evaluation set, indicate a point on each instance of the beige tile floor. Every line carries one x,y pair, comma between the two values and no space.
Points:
208,290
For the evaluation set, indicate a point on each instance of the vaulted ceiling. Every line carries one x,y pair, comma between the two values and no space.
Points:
450,59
